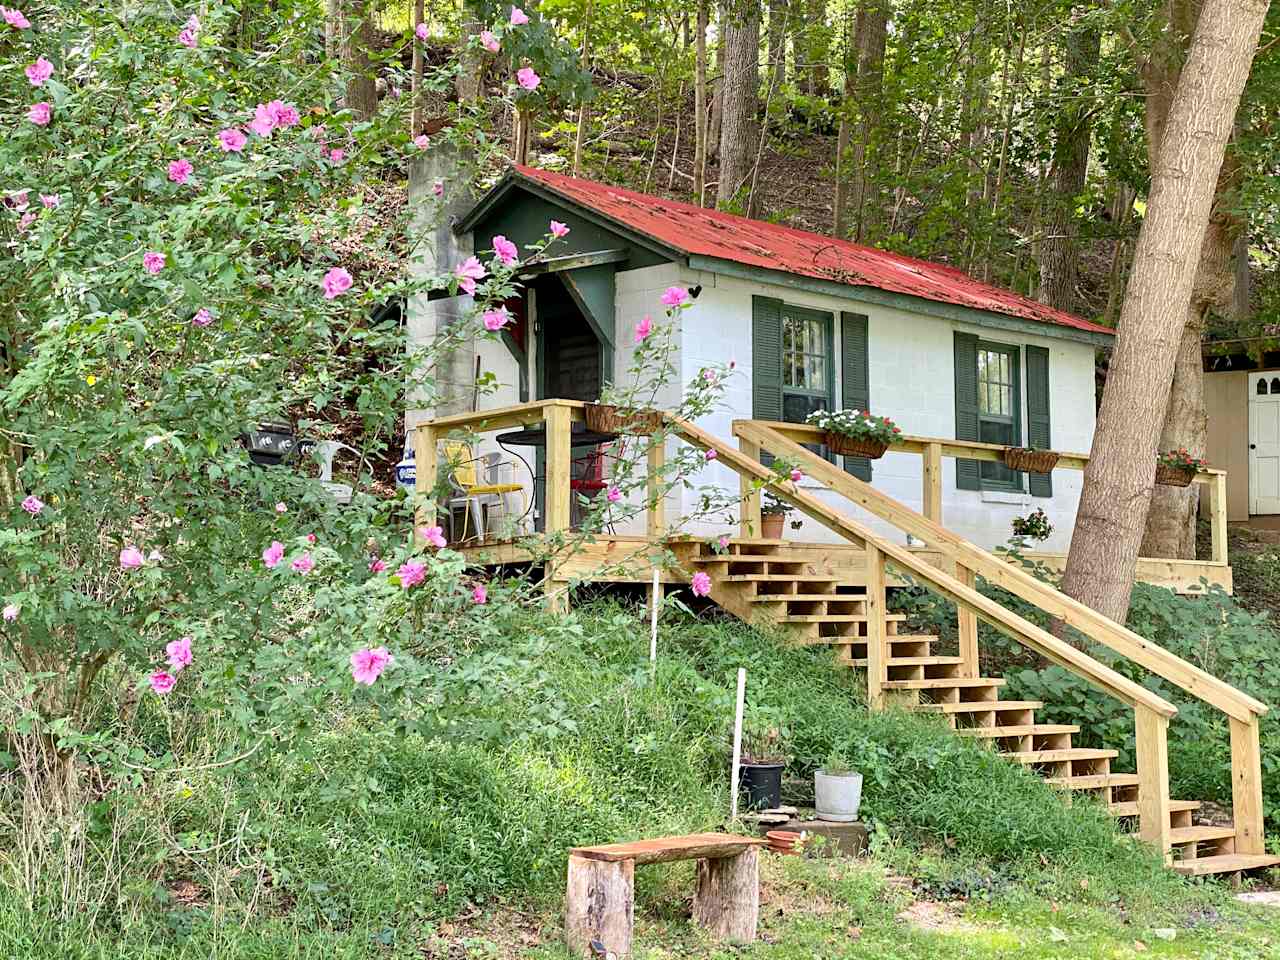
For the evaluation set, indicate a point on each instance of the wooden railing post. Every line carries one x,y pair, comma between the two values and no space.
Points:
1152,746
967,626
1246,785
425,465
1218,516
931,477
556,499
749,507
877,654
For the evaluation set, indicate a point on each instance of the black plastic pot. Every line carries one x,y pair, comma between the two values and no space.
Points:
762,783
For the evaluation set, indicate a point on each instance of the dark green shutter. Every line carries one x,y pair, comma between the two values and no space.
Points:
966,350
856,381
1038,434
766,362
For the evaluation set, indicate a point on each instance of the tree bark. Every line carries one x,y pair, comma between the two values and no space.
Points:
357,41
741,29
471,64
1060,245
871,30
779,11
700,105
817,49
727,900
1118,479
415,78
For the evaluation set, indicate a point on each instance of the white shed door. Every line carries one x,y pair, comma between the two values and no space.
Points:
1264,442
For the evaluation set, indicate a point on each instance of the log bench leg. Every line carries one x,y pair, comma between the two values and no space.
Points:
727,901
599,905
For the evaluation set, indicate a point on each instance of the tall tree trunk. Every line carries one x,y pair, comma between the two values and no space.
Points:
871,30
817,49
581,132
700,106
779,11
357,41
741,88
1060,244
415,77
1118,479
471,63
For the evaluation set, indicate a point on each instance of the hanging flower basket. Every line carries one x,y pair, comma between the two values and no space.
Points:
855,433
854,446
1174,476
1029,460
606,418
1177,468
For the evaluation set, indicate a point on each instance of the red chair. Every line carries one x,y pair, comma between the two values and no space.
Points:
586,479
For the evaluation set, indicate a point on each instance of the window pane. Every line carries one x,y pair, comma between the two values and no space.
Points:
817,373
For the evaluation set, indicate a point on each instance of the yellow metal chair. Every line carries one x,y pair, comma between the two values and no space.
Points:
477,493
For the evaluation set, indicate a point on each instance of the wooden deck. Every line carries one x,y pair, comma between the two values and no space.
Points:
631,559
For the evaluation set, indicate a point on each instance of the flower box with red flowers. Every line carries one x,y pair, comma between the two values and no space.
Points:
1177,468
855,433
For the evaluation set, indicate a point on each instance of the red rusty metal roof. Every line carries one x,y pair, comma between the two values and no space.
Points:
726,236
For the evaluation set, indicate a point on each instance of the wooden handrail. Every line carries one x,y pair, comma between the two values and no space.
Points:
1088,621
499,418
987,609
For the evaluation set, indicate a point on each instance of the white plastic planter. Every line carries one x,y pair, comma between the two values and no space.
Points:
837,796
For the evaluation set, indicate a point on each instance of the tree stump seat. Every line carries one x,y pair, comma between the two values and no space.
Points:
600,894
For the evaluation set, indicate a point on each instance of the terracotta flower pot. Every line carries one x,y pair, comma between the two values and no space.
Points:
783,841
771,525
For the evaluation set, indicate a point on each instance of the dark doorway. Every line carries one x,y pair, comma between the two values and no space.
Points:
569,352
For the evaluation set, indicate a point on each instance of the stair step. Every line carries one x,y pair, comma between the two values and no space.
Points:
780,597
1130,808
979,707
836,618
909,661
1054,756
750,558
1024,730
943,683
1179,835
1224,863
1094,781
791,578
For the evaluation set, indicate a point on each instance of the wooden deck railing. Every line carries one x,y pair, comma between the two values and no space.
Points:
969,561
931,450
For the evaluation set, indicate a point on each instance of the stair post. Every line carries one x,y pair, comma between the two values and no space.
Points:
749,508
967,626
1152,746
557,498
877,672
1246,785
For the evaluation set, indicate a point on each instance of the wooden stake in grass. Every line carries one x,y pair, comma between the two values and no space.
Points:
737,744
654,596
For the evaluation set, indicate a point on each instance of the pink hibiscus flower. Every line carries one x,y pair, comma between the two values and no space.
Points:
479,595
468,272
40,114
796,475
187,37
51,201
304,564
153,262
411,573
179,653
14,18
180,170
526,77
377,565
232,140
422,32
518,17
489,41
367,665
701,584
336,282
39,72
711,454
724,543
495,320
262,123
644,328
336,155
33,505
202,318
558,229
433,536
162,682
272,556
505,249
283,114
422,141
614,495
674,296
10,612
130,558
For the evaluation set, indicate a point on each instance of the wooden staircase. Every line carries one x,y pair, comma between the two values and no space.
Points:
770,582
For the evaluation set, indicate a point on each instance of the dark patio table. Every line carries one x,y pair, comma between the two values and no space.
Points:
579,436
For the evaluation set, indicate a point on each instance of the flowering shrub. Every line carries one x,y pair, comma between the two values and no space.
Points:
1034,526
857,424
1181,460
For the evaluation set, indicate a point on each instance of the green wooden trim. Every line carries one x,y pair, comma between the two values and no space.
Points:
593,289
521,358
900,301
1039,429
855,385
966,403
573,261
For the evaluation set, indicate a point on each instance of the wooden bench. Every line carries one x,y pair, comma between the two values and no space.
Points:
600,896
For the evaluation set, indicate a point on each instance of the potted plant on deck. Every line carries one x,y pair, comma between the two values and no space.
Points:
763,759
855,433
773,514
1177,468
837,790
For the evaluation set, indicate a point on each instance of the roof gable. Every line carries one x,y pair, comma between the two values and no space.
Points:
670,225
